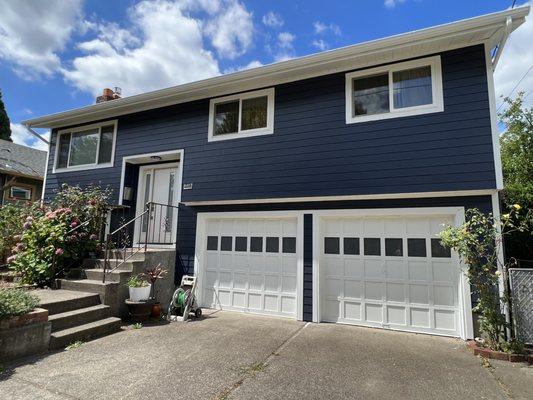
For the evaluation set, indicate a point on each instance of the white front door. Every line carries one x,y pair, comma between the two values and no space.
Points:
389,271
158,185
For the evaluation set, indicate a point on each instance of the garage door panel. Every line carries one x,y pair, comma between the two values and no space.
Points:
251,265
400,280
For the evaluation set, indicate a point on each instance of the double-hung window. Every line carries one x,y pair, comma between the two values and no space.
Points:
241,115
86,147
397,90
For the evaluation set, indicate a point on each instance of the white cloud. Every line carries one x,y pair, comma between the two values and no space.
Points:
320,44
322,28
167,50
516,59
231,31
20,135
285,46
250,65
393,3
33,33
273,20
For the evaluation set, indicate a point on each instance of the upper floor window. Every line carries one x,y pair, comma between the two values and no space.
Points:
86,147
398,90
242,115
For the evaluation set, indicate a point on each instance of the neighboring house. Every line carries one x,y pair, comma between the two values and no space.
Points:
312,188
22,172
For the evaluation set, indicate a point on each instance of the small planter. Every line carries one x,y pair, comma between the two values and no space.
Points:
139,293
139,311
498,355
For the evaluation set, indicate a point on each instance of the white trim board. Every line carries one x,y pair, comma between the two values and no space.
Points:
494,119
459,193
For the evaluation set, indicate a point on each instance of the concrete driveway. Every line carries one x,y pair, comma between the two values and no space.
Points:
234,356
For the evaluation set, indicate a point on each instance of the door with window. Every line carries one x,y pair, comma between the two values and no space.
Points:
158,194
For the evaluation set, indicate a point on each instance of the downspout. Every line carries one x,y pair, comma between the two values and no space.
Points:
499,49
32,132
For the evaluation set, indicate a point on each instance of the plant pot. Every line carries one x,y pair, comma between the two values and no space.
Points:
156,310
139,293
139,311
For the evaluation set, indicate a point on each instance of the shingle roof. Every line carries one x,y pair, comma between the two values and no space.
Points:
21,160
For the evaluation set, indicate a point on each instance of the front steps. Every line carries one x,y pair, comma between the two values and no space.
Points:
76,316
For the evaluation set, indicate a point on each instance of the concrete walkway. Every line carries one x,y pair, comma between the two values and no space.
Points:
234,356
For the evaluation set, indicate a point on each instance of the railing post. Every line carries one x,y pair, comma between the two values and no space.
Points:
149,207
106,258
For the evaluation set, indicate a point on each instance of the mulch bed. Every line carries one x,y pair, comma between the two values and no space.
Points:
499,355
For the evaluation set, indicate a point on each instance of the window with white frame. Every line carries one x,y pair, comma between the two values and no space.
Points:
397,90
242,115
86,147
20,193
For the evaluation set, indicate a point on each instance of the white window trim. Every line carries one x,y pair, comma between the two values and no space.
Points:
94,165
25,188
436,80
269,129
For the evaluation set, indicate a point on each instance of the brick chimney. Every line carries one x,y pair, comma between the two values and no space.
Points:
109,94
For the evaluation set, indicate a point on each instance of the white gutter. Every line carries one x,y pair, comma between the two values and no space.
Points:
507,31
300,68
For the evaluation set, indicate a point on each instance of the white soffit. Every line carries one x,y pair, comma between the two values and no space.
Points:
488,29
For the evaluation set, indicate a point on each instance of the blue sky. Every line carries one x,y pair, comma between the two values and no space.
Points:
58,55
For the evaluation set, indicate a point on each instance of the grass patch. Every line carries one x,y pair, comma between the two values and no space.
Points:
74,345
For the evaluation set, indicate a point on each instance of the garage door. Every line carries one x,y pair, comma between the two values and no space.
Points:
251,265
389,272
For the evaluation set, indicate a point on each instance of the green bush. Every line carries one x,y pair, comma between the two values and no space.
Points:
16,302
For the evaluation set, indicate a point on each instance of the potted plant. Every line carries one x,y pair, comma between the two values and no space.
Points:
139,288
152,275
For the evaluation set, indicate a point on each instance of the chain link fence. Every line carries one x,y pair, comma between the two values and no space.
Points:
521,288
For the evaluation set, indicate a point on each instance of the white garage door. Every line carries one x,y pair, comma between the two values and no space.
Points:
389,272
251,265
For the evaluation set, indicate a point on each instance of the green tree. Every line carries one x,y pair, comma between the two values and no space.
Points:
517,162
5,130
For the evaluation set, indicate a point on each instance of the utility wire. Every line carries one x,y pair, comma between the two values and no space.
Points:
512,91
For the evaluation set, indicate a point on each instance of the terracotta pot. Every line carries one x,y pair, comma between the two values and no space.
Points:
156,310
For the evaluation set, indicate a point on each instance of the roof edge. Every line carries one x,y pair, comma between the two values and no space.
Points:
163,97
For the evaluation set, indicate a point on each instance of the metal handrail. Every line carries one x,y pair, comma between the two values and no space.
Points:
150,207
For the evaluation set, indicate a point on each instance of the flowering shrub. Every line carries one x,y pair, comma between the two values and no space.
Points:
57,236
16,302
478,241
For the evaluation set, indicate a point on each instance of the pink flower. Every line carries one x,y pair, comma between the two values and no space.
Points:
27,225
59,252
92,202
73,224
11,258
29,218
20,246
94,236
17,237
50,215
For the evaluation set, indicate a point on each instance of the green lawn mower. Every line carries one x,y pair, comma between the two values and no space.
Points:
184,301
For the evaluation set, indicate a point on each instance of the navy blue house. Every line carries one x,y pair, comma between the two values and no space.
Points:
312,188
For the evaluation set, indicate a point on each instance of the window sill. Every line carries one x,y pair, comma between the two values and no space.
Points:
244,134
81,168
434,108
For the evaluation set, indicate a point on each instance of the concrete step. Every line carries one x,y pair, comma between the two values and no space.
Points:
85,285
92,330
77,317
60,301
118,275
113,263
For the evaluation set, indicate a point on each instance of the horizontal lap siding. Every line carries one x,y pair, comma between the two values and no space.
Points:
313,152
